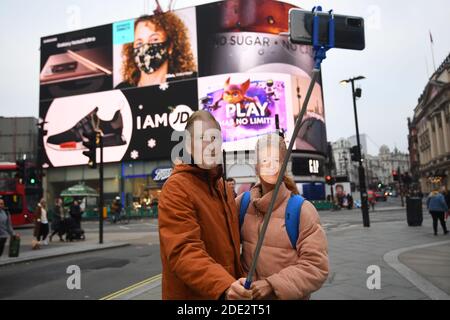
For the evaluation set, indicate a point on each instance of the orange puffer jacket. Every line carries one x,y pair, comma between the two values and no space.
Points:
292,273
199,235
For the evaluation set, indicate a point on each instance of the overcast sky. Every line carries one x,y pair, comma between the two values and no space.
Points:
396,62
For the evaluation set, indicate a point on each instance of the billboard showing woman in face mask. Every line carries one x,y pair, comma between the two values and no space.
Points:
160,52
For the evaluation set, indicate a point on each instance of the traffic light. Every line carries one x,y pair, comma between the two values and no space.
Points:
330,180
395,175
90,143
355,154
20,174
32,178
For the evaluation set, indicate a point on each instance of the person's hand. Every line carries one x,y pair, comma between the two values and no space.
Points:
237,291
262,289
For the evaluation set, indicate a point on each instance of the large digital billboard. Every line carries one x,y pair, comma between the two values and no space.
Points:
138,80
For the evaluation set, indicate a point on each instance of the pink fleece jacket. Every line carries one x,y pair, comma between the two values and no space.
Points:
292,273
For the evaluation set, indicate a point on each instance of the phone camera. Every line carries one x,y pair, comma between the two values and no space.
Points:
352,22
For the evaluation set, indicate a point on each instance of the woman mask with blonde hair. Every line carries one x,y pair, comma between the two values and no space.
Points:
287,268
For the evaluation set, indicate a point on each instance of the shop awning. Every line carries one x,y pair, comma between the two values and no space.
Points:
79,190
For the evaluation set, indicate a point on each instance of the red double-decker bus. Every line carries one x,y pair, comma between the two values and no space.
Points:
13,192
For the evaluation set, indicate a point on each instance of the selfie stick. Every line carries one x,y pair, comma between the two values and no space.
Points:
319,55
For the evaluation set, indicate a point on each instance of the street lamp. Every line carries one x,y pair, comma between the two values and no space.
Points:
362,178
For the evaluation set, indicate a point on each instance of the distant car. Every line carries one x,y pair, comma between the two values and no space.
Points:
380,196
393,193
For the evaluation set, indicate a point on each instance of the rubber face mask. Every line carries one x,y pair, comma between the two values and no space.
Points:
150,57
268,170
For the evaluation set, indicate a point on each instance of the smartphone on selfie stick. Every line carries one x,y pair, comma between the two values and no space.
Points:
348,30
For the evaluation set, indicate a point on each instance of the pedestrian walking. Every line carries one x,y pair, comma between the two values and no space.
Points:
58,220
371,199
6,229
437,207
293,261
446,195
41,228
198,222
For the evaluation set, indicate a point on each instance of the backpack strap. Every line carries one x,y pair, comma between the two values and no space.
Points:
292,218
245,202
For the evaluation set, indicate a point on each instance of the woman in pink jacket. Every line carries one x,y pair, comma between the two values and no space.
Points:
293,261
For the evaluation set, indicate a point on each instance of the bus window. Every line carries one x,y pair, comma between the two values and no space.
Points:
7,181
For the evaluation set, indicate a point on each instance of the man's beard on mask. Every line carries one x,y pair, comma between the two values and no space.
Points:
150,57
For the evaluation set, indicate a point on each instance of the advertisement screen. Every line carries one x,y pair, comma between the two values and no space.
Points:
137,124
136,78
250,37
76,63
247,106
155,49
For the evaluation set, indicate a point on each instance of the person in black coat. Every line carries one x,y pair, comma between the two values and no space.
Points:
349,201
75,213
58,220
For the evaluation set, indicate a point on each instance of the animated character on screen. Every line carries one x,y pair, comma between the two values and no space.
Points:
236,94
160,51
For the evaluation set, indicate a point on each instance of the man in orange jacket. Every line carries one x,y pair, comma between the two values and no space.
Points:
199,224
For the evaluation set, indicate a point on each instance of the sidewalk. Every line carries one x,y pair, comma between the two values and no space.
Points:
397,250
414,264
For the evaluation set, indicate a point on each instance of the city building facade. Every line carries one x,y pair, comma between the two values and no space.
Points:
378,168
429,132
18,138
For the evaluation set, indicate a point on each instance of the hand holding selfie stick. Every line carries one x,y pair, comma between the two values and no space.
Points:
320,54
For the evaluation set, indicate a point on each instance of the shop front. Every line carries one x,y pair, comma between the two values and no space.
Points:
138,184
142,184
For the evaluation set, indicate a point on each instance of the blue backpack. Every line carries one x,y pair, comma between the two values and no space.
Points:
292,215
